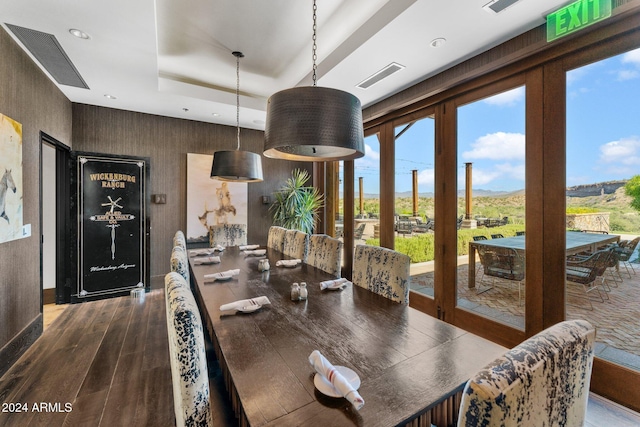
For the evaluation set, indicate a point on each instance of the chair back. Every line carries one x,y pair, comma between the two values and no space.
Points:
325,253
296,244
382,271
497,236
275,239
357,233
543,381
504,263
189,372
180,262
228,235
179,240
479,238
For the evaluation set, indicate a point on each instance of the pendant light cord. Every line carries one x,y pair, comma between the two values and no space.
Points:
238,55
314,48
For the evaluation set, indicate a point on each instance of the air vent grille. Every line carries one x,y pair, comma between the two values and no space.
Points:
382,74
46,49
498,6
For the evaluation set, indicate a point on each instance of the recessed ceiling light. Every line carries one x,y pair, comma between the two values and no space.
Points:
438,42
185,109
106,95
258,122
215,114
79,34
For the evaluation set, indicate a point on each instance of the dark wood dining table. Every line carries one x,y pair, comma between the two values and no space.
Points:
412,366
576,242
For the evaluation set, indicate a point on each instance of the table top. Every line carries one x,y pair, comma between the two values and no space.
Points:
575,240
407,361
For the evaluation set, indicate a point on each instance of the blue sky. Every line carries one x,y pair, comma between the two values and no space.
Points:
603,134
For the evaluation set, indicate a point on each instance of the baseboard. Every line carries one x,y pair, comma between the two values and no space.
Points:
49,296
11,352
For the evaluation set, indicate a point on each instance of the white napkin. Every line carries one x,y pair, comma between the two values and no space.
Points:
221,275
288,262
206,251
240,304
248,247
337,283
206,260
258,252
327,370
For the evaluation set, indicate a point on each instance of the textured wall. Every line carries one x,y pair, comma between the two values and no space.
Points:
166,141
29,97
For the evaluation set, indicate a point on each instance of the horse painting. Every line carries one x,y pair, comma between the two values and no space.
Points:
6,183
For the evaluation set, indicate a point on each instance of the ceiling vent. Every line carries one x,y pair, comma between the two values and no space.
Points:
46,49
382,74
498,6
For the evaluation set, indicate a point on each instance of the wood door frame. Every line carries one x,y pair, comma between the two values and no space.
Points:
63,220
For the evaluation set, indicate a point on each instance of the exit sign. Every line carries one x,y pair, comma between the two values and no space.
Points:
576,16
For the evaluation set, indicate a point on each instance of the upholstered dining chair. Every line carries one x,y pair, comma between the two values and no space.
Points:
179,240
180,262
383,271
275,238
544,381
189,372
228,235
325,253
296,244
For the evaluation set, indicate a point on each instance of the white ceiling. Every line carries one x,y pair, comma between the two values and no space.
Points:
164,56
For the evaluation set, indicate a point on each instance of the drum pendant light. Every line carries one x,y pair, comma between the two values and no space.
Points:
238,166
314,124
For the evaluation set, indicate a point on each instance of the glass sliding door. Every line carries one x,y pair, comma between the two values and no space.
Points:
603,156
491,205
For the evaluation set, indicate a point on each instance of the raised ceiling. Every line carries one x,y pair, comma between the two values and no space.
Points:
174,58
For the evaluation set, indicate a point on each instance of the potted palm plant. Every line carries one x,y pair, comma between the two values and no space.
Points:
295,205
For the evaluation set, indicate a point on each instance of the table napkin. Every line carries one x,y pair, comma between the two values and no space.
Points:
339,283
237,305
206,260
327,370
257,252
221,275
288,262
248,247
205,251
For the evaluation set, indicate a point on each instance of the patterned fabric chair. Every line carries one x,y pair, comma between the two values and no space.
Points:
228,235
180,262
382,271
179,240
275,239
325,253
188,359
296,244
544,381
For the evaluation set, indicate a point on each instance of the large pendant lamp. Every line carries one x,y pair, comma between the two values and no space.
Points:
239,166
314,124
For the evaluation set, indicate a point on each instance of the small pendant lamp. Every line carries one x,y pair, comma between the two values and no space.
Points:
310,123
238,166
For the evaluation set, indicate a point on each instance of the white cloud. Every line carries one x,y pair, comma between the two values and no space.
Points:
632,57
507,98
371,159
515,172
625,151
480,177
426,177
628,75
497,146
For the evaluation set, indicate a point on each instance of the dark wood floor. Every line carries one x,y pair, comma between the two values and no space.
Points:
106,363
101,363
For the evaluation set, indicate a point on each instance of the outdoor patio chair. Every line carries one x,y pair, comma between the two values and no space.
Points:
624,251
382,271
520,233
459,222
404,227
422,227
587,271
521,388
357,234
503,263
497,236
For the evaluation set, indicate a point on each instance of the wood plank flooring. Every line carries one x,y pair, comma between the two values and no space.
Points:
106,363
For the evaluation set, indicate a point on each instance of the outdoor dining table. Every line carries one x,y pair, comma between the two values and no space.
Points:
576,242
412,366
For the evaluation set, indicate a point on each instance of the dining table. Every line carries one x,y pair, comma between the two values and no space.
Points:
575,242
411,367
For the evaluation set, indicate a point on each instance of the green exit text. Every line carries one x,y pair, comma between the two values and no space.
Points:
576,16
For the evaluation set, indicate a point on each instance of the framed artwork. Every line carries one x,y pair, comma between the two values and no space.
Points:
11,207
209,201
